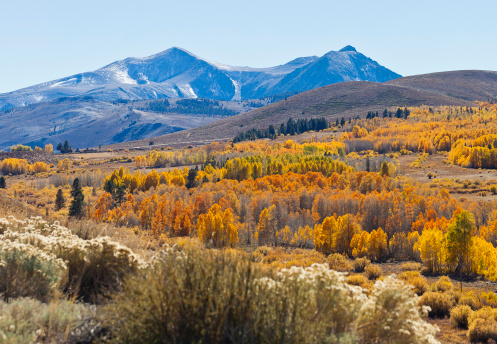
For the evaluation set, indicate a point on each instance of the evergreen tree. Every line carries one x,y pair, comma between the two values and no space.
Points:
272,131
2,183
59,200
190,180
67,148
78,200
60,147
368,164
384,170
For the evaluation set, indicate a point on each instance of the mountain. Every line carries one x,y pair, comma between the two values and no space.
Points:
336,66
345,99
177,73
88,122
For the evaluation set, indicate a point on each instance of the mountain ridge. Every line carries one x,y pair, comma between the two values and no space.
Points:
178,73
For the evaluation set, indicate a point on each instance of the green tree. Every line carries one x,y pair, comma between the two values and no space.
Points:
78,200
459,241
59,200
190,180
2,183
67,148
60,147
384,170
117,188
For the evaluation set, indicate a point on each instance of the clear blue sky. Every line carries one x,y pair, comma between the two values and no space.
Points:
49,39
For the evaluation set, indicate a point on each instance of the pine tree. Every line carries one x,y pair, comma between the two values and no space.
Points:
190,180
2,183
60,147
78,200
67,148
59,200
384,170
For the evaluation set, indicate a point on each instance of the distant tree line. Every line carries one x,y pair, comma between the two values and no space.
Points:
400,113
291,127
190,107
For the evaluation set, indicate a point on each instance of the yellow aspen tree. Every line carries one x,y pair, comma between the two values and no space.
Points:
431,245
377,248
262,233
359,244
285,236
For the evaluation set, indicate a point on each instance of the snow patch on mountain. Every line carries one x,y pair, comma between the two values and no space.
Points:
187,91
64,83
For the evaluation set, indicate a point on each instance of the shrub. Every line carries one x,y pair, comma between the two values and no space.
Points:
489,299
440,303
93,267
411,266
493,189
414,278
373,271
407,275
459,316
444,284
212,297
390,296
420,285
470,300
482,331
357,280
338,262
26,271
20,148
485,313
25,320
360,263
207,296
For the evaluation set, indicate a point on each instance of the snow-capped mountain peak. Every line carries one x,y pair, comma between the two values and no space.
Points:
176,72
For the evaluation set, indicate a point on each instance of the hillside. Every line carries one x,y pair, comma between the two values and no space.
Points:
87,122
177,73
464,84
345,99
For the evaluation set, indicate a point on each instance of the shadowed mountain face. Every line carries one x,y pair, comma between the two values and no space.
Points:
176,73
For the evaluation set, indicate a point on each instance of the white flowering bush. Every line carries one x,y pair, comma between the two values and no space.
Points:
90,267
392,315
212,297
